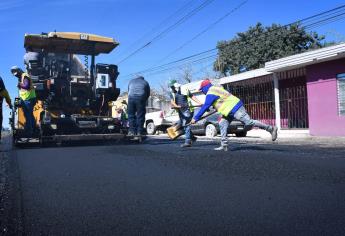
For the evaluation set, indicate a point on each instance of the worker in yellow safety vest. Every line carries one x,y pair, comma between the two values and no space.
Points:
27,96
181,100
230,107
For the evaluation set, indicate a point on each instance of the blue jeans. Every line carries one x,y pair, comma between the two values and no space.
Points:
185,118
241,115
136,114
28,108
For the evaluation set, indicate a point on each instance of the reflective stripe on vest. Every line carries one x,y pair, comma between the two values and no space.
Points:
27,94
226,101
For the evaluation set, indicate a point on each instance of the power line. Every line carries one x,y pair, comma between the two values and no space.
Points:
162,23
327,21
205,30
321,21
174,62
162,70
170,28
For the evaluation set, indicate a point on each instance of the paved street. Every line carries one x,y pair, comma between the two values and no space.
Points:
291,187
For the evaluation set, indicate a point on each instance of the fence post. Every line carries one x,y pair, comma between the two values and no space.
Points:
276,100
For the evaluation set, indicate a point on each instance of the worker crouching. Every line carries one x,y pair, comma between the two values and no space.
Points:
230,107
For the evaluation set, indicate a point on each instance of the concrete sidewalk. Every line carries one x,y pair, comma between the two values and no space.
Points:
301,133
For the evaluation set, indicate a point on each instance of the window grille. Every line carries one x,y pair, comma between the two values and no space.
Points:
341,94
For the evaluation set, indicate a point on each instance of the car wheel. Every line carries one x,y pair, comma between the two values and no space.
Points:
151,128
241,134
210,131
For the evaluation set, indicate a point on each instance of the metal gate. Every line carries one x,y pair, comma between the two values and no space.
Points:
293,103
258,97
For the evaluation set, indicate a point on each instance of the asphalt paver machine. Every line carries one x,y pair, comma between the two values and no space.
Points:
73,92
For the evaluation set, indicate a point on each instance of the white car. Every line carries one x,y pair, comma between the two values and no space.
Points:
160,120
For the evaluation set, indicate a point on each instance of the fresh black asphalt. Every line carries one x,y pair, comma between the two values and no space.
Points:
157,188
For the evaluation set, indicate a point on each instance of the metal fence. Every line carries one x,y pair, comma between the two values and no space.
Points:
293,104
258,99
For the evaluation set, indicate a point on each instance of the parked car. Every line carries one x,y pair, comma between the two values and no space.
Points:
159,120
210,127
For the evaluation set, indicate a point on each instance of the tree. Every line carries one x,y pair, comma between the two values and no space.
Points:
251,49
162,93
185,75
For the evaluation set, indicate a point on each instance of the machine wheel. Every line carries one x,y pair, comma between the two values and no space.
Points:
210,131
151,128
241,134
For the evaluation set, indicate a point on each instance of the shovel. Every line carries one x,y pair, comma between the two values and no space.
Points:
176,131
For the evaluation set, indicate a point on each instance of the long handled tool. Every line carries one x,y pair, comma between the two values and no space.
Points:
176,131
187,107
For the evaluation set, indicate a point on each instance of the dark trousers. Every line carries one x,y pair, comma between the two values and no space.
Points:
28,108
136,114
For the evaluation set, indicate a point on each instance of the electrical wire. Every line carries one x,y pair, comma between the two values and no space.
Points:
190,14
205,30
157,27
311,25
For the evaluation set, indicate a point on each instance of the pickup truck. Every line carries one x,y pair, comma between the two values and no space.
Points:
159,120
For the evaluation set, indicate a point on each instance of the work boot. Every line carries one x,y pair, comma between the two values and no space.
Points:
222,148
186,145
274,133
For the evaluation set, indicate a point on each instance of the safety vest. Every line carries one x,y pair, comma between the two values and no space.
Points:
226,101
24,93
184,100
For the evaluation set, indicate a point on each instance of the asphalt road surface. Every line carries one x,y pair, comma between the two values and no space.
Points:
157,188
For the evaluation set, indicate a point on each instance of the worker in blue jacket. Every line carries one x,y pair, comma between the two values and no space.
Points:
230,107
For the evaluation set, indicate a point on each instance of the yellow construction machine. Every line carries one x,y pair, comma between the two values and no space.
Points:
73,92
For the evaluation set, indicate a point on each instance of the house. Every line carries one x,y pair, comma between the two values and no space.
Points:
303,91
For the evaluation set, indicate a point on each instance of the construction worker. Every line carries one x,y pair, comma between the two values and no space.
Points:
230,107
3,94
181,100
27,96
138,93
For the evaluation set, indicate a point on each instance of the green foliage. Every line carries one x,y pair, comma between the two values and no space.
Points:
251,49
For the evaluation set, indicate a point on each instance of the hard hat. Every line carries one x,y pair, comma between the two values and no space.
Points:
177,85
204,83
172,83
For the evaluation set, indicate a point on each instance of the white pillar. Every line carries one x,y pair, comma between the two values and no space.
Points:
276,99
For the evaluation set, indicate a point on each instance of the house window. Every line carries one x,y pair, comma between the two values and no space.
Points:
341,94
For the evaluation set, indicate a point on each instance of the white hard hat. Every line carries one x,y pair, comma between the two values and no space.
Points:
177,85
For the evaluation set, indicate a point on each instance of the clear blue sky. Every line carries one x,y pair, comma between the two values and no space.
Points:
128,20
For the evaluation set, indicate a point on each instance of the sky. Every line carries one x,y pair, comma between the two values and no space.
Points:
134,23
